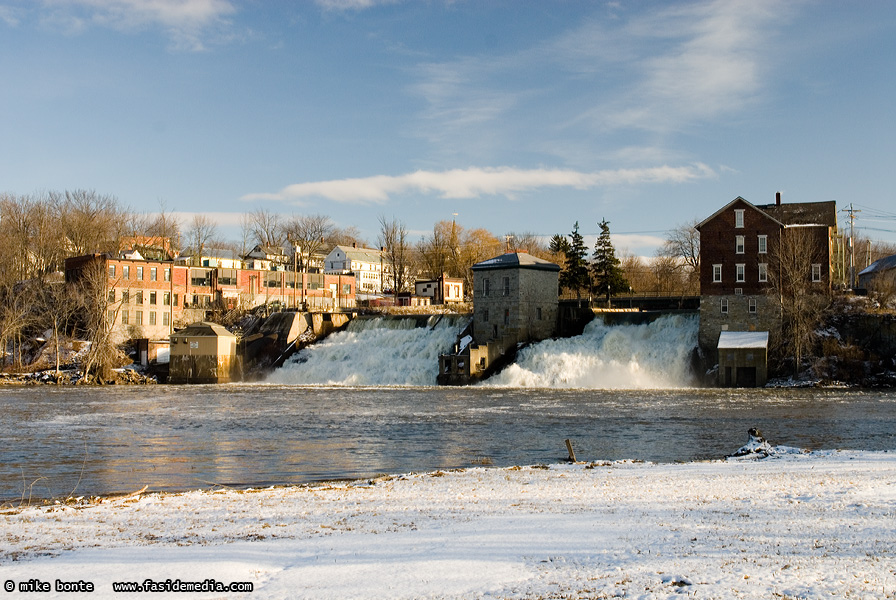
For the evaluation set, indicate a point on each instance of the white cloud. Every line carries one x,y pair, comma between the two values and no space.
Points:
477,182
187,22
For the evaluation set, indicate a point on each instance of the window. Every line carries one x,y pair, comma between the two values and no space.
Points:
153,274
538,313
111,271
152,297
487,287
723,305
165,320
126,271
507,316
816,272
139,273
167,274
739,218
110,316
139,318
124,317
763,272
125,296
112,295
752,305
140,297
716,273
740,273
485,315
739,244
763,244
507,286
152,318
166,298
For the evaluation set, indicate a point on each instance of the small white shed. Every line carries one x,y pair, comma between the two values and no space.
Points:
743,358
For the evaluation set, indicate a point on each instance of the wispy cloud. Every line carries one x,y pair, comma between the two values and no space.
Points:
476,182
187,22
344,5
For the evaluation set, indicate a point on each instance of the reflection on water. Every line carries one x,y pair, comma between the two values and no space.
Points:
98,441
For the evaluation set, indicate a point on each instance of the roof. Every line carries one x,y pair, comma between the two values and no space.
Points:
884,264
729,340
803,213
203,329
361,254
788,215
516,260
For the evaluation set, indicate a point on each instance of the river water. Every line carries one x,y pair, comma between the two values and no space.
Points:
87,441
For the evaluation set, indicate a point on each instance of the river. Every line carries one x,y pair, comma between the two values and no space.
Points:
92,441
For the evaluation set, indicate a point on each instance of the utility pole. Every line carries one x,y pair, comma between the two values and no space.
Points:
852,246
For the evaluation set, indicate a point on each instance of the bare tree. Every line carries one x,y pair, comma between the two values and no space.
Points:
90,222
683,244
308,233
266,227
802,300
394,239
98,314
201,234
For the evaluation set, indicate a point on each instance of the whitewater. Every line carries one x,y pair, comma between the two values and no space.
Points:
398,352
375,352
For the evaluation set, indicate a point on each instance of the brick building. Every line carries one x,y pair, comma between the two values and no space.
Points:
737,250
150,298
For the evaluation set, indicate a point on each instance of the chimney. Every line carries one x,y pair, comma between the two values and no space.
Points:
778,198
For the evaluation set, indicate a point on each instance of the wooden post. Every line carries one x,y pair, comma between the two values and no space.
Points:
572,455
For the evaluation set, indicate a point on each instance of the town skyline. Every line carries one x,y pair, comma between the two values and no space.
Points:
522,117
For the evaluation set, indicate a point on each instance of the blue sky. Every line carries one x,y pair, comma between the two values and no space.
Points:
517,115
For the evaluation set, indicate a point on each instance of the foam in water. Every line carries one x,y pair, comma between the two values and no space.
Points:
650,356
374,352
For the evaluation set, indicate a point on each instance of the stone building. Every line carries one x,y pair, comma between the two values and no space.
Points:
737,250
515,300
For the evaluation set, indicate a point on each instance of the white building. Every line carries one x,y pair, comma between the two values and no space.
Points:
372,269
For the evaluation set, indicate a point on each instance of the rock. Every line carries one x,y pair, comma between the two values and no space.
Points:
757,446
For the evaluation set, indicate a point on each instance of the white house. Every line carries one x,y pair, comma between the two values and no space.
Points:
372,269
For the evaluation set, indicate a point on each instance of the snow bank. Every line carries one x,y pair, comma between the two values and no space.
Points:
816,525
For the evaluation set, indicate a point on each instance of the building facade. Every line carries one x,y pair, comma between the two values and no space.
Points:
740,248
150,298
370,267
442,290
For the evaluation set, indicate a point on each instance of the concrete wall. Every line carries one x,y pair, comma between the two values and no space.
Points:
743,367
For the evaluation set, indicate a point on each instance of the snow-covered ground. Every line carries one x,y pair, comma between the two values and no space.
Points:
794,525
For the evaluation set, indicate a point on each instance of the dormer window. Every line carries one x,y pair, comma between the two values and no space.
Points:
739,218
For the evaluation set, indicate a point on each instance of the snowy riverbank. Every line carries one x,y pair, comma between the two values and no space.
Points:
789,526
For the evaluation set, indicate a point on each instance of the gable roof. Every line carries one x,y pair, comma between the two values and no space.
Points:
361,254
738,200
729,340
822,214
516,260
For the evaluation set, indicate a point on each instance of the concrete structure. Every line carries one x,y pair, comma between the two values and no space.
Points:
204,353
743,358
737,250
515,301
442,290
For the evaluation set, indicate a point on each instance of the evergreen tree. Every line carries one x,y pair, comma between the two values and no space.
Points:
576,276
608,275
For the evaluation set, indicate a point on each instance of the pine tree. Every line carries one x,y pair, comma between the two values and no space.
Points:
576,276
608,275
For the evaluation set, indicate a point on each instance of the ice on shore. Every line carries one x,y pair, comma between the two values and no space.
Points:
816,525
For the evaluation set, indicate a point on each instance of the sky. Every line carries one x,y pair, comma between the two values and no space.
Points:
511,115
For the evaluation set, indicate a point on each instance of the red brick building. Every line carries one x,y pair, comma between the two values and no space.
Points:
150,298
737,249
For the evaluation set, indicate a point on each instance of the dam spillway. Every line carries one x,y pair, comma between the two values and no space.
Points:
404,352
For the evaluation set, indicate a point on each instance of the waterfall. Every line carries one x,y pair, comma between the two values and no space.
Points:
375,352
649,356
